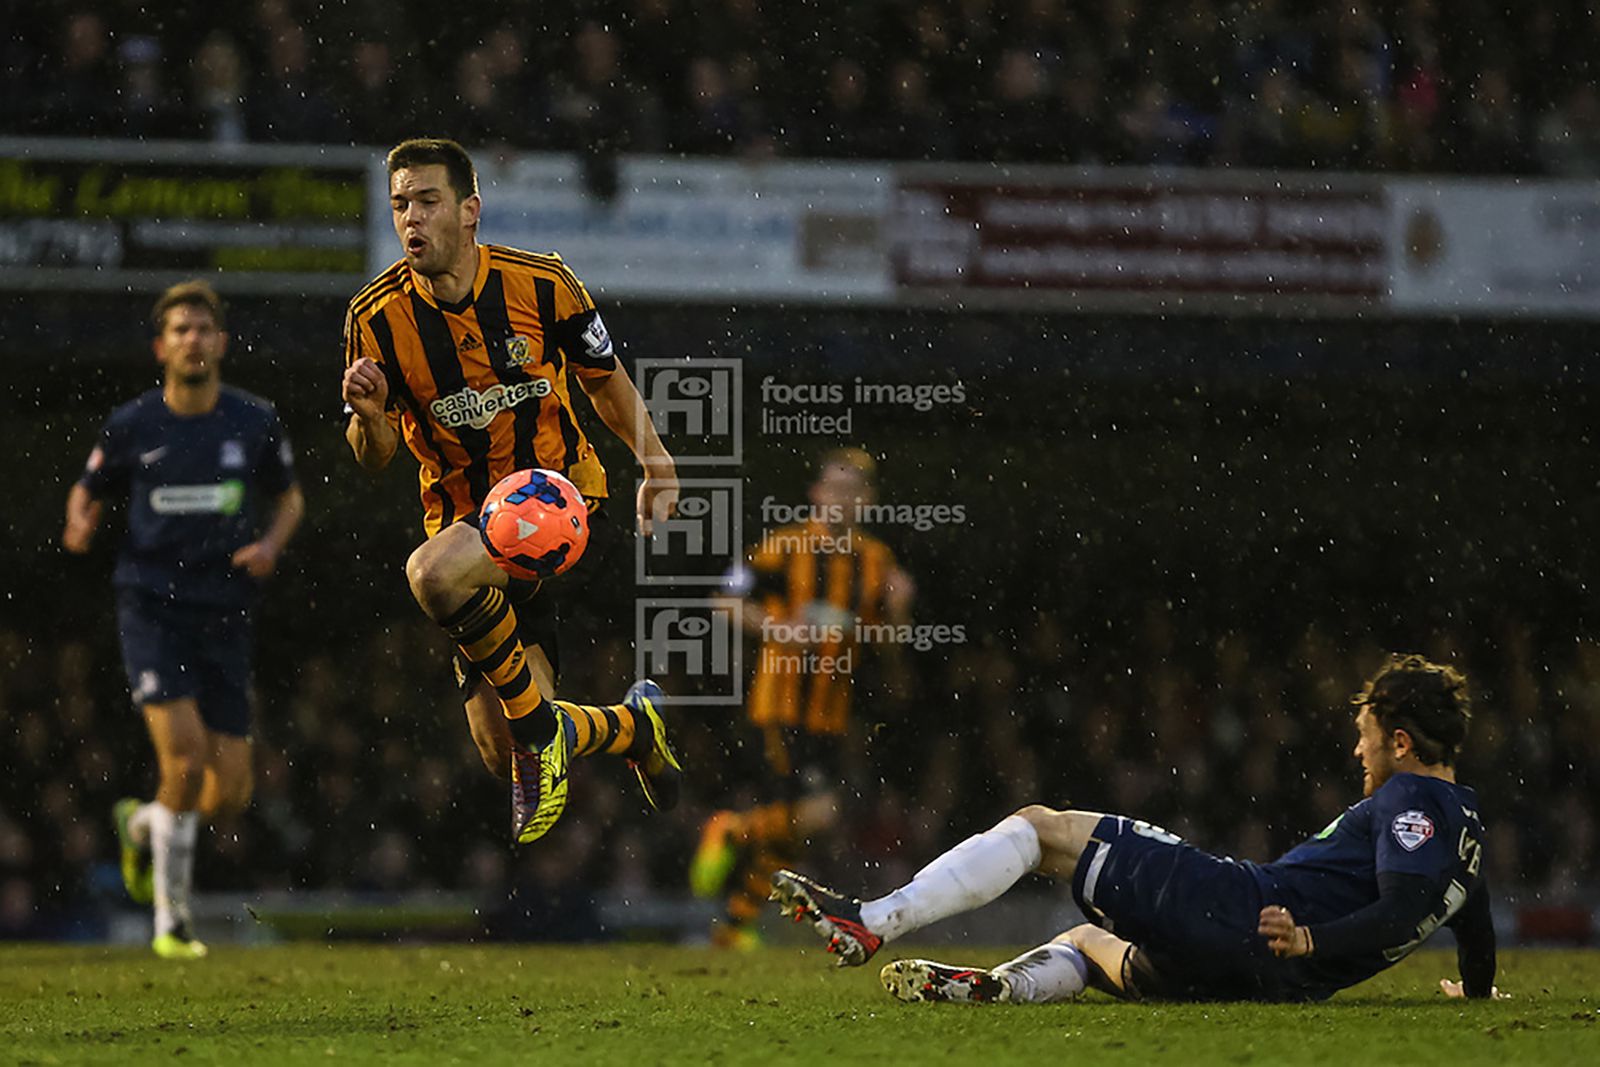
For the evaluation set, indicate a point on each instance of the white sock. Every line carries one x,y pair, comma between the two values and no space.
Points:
172,841
139,823
185,835
1049,973
968,876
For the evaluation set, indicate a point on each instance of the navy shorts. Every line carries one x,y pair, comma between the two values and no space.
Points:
1191,916
174,650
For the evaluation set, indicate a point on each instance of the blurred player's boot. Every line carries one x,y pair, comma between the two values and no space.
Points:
539,784
717,854
179,943
926,980
660,774
836,917
138,870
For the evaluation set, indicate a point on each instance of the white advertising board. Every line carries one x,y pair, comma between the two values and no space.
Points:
1522,248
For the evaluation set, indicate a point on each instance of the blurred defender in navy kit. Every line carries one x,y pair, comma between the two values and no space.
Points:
200,466
1169,921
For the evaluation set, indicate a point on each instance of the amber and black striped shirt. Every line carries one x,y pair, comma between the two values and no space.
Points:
802,577
480,389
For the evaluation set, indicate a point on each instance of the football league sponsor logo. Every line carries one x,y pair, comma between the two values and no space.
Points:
469,407
1412,829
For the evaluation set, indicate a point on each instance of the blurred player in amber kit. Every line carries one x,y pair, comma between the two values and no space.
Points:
810,589
467,352
200,465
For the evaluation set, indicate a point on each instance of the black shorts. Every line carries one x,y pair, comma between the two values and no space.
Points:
537,604
174,651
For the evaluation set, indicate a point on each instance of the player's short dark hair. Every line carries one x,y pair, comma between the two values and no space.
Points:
429,151
195,293
1427,700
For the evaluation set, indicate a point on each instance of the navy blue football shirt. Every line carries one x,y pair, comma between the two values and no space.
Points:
194,486
1415,826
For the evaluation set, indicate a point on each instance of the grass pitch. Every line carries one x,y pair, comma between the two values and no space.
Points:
647,1005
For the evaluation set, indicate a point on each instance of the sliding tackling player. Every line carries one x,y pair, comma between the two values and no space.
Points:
1172,922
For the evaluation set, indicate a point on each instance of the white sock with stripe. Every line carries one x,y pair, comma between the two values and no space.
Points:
968,876
1046,974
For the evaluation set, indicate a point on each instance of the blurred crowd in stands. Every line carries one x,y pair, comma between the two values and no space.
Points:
1415,85
367,780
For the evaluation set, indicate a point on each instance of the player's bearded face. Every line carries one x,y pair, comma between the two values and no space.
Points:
1375,751
190,346
432,222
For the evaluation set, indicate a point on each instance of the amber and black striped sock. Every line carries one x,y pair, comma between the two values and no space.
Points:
486,629
609,730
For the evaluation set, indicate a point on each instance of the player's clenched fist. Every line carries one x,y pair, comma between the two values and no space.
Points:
365,389
1284,938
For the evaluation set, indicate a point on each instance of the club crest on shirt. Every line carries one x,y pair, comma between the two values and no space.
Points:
519,351
232,455
1412,829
